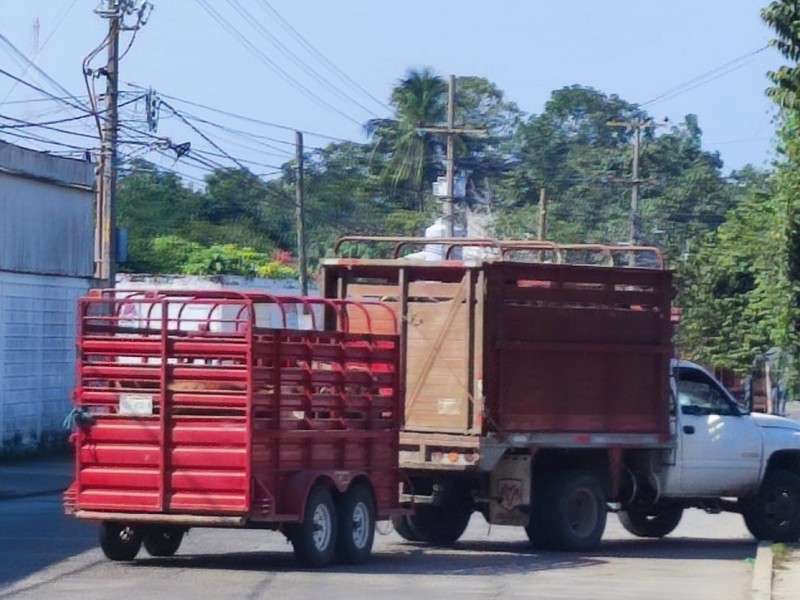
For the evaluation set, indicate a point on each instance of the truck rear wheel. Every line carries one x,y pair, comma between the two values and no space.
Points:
574,512
651,521
774,513
119,541
356,526
314,540
402,525
440,525
163,541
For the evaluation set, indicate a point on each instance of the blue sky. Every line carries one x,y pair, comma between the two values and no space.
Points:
637,49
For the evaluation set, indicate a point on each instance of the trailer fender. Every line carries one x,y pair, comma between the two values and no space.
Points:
299,486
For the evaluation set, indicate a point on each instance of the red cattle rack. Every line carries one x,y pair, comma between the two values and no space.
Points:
217,408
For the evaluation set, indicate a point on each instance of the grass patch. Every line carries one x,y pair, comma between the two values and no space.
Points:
780,553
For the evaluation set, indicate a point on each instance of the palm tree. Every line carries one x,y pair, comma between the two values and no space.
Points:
413,155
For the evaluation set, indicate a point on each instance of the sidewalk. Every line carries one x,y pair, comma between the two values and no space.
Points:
786,576
35,477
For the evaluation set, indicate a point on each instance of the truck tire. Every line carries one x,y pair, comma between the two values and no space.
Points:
651,521
314,540
574,512
535,529
402,525
163,541
440,525
119,541
774,513
356,533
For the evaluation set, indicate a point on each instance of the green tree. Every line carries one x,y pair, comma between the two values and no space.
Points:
419,100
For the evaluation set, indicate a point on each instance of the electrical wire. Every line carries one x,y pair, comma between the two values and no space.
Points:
245,118
286,51
321,56
59,20
707,77
271,64
203,135
30,63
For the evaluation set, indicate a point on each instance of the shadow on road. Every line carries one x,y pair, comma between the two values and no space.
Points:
34,534
404,559
469,557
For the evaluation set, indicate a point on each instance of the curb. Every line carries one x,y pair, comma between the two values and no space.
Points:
761,588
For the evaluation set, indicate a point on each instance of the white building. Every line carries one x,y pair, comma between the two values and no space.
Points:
46,263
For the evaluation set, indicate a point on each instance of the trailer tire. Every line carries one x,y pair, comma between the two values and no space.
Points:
774,513
574,514
403,527
163,541
119,541
651,521
314,540
356,526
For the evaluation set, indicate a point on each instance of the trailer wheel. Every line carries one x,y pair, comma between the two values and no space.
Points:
403,527
651,521
314,540
119,541
774,513
356,526
163,541
574,513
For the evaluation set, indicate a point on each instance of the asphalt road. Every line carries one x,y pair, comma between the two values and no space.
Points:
44,554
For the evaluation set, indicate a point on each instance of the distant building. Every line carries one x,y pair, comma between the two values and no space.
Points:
46,263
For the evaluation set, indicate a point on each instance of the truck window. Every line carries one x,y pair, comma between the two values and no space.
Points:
698,394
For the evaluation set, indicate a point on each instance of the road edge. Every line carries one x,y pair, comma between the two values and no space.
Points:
761,588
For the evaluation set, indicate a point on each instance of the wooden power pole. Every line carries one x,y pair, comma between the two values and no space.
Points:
542,233
106,218
451,131
301,216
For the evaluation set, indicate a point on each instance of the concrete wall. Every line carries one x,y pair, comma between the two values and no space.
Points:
46,213
37,357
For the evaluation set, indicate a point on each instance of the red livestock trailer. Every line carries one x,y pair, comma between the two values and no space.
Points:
207,409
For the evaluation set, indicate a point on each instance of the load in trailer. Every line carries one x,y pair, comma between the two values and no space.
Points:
206,409
541,395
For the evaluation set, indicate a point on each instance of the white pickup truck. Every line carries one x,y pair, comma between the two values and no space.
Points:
724,458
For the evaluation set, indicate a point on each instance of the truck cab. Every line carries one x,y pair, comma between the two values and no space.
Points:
722,450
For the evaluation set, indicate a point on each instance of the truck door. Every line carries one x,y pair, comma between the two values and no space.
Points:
720,446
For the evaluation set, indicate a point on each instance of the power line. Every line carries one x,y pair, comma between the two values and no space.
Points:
203,135
264,59
706,77
283,49
246,118
30,63
311,49
44,92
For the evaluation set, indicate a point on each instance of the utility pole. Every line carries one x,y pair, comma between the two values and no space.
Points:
108,152
301,216
542,233
635,183
636,125
450,197
106,206
451,131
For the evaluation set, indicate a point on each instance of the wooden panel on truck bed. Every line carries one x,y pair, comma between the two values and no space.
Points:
577,349
437,306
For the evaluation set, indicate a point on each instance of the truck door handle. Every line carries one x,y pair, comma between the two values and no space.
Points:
688,429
